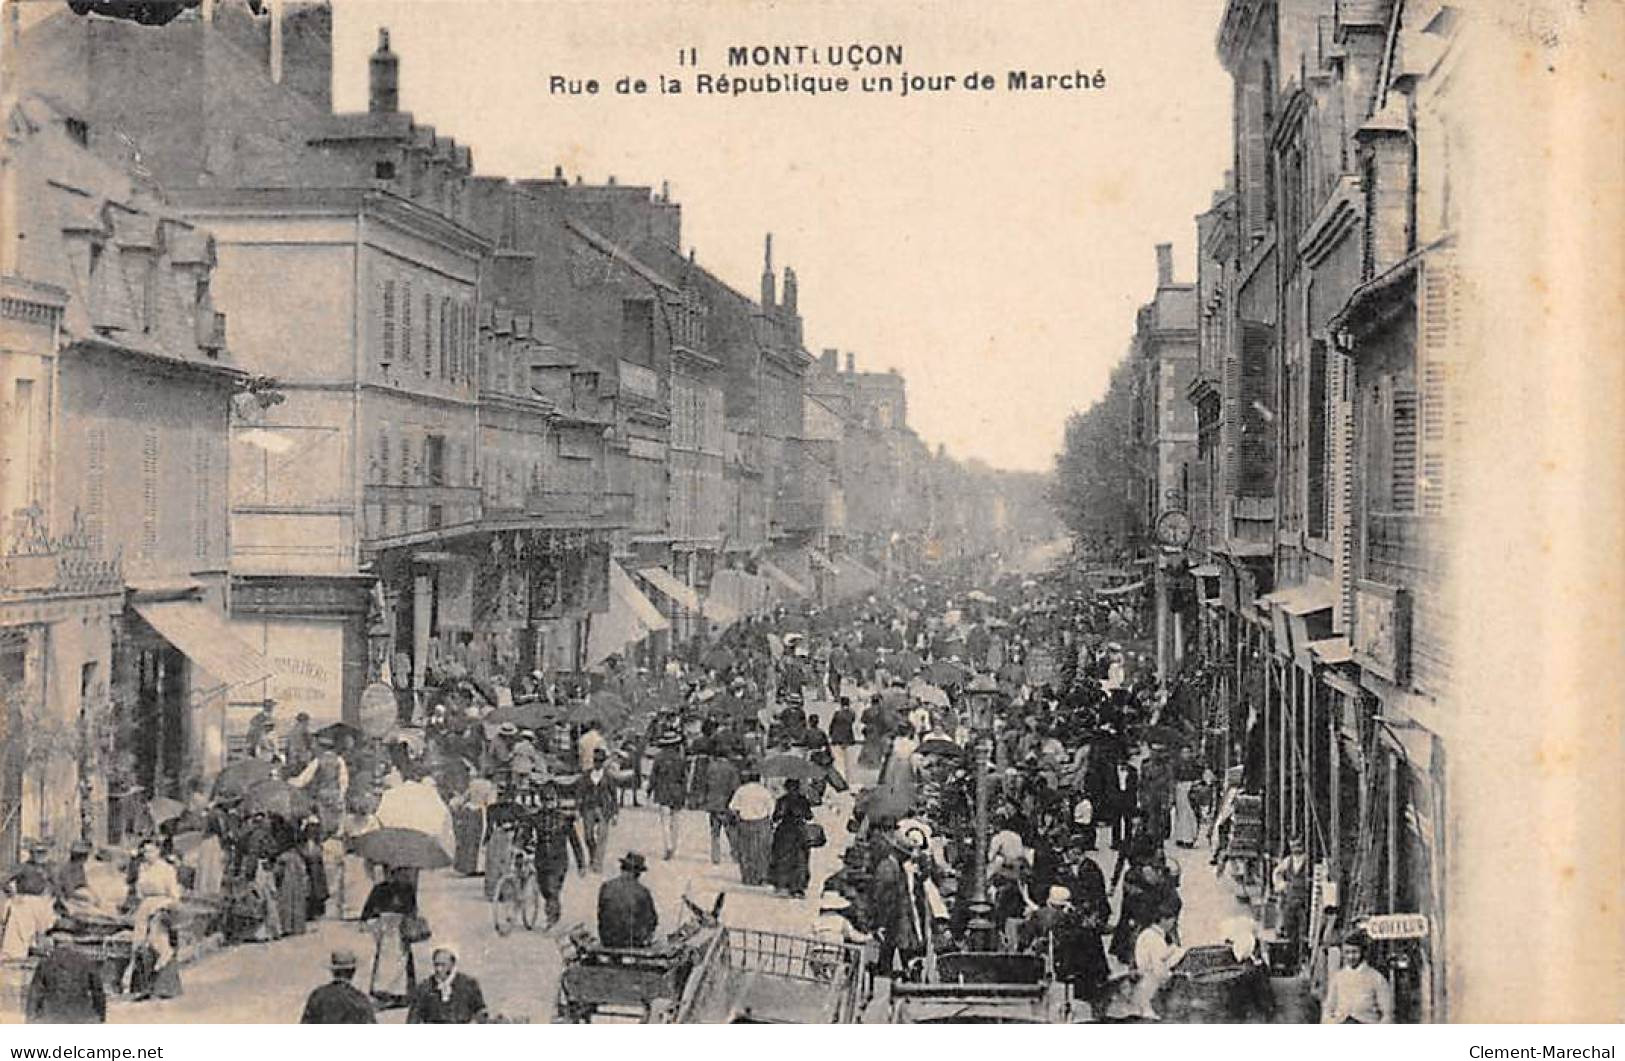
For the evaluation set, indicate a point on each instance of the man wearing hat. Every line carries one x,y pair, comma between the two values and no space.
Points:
301,745
668,786
597,801
626,910
339,1001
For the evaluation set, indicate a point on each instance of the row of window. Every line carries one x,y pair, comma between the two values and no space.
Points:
417,329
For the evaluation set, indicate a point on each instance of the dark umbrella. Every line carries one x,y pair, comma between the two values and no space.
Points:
238,777
277,797
525,716
944,672
609,704
402,847
908,661
1162,735
788,766
718,659
940,746
338,730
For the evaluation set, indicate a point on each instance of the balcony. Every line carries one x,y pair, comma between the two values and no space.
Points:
36,565
1394,547
392,510
579,509
796,517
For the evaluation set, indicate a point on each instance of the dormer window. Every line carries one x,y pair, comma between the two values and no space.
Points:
78,131
383,170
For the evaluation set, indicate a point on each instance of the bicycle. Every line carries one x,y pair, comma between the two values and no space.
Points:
518,895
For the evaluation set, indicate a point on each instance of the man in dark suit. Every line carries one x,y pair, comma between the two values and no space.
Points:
66,988
338,1001
626,910
597,801
447,997
1120,797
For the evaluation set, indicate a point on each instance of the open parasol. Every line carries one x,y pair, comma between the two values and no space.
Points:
788,766
277,797
945,672
403,848
238,777
162,809
884,801
184,844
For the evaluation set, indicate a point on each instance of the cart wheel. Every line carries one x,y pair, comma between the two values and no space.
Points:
505,903
530,903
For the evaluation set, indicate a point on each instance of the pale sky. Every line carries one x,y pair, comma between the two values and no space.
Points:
992,247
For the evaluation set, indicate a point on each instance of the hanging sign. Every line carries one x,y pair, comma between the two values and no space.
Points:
1397,926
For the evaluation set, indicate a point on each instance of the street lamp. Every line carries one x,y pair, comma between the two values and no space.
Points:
982,695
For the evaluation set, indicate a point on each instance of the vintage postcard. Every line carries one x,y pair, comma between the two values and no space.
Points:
728,511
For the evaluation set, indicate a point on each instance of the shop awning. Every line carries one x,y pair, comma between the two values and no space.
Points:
720,611
203,635
667,583
862,569
620,582
1414,742
630,618
1332,650
739,592
1205,571
777,574
1118,591
1312,596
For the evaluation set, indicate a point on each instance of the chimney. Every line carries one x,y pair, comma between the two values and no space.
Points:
276,41
383,95
831,359
1165,264
851,363
770,299
665,191
789,291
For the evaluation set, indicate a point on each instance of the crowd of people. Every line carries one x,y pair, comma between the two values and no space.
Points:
1093,783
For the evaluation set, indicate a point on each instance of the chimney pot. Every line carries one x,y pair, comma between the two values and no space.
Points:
1165,264
558,173
384,68
851,363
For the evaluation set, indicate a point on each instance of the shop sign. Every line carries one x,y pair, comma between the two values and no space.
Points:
1397,926
1381,638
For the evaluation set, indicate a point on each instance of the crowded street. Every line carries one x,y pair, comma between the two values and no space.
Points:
1050,739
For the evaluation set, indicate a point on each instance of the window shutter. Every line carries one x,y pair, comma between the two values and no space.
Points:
1438,331
149,496
406,323
387,355
96,488
445,337
428,334
201,494
1404,466
1340,468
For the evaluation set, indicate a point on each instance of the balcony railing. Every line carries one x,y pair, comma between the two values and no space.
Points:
791,517
37,564
579,508
393,509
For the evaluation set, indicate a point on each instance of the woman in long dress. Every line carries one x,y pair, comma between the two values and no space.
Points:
353,880
394,972
292,891
788,870
1188,772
